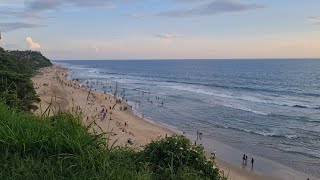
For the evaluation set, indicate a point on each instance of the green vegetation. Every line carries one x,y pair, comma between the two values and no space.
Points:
60,147
175,158
16,69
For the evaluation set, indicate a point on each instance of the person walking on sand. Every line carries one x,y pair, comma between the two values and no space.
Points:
243,158
197,135
252,161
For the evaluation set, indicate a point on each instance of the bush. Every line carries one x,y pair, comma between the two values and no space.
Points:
176,158
17,90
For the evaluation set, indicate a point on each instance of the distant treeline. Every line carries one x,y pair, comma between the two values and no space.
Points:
16,70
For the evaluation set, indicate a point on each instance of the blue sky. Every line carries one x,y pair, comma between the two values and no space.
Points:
162,29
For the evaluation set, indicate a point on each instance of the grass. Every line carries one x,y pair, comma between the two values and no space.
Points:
60,147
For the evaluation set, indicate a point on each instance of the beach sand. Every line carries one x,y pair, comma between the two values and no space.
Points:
60,94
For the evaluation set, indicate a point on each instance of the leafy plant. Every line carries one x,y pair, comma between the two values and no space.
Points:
176,158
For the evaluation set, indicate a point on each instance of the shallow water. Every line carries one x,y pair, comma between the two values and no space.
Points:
269,108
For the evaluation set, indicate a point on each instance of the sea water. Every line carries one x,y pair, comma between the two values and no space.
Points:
269,108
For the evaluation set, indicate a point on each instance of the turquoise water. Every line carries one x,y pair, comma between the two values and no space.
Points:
269,108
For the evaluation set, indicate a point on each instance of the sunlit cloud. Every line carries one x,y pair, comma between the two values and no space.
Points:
167,35
32,44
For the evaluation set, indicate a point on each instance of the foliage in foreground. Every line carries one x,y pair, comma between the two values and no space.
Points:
174,158
60,147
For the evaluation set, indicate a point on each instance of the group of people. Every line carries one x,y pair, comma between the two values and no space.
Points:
245,160
199,135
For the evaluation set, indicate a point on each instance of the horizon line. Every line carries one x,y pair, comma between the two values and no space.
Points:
185,59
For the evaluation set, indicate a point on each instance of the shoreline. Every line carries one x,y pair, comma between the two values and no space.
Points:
52,82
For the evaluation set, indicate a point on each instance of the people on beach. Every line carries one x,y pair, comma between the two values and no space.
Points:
244,159
213,153
130,141
252,161
197,135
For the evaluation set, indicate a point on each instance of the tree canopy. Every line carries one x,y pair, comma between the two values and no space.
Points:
16,69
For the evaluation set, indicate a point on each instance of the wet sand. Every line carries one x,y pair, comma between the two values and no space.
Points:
104,114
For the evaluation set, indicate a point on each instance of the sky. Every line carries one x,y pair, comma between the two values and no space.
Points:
162,29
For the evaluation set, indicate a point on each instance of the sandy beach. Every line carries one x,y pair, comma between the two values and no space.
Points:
107,114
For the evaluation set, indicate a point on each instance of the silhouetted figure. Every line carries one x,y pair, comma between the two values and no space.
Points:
197,135
243,158
213,153
252,161
246,159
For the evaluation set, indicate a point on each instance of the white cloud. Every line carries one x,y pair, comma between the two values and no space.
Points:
96,49
167,35
32,44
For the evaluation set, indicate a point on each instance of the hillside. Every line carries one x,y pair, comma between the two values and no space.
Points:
16,68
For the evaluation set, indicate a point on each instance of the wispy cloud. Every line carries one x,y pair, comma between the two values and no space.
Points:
32,44
212,8
21,13
44,5
167,35
36,9
313,20
5,27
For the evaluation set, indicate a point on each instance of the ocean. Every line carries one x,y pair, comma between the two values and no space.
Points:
267,108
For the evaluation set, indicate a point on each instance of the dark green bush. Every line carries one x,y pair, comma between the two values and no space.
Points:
16,68
176,158
17,90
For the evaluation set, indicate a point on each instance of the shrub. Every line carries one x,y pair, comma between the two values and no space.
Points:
176,158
